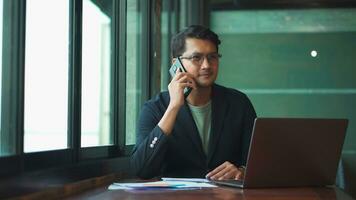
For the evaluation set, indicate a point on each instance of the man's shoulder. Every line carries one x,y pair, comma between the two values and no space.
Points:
231,98
158,100
230,93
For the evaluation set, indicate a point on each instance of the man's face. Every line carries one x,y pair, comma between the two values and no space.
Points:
201,61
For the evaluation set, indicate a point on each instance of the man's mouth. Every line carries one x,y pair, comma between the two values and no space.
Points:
205,74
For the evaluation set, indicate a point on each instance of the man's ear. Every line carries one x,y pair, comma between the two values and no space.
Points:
173,60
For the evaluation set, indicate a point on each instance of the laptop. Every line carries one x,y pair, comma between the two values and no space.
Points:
292,152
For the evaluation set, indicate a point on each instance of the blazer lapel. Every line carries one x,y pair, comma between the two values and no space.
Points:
219,109
190,129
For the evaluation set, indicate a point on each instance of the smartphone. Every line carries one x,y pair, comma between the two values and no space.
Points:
177,65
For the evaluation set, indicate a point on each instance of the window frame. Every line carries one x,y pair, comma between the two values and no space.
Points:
13,102
276,4
12,98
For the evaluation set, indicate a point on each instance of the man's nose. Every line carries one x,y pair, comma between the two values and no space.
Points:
205,63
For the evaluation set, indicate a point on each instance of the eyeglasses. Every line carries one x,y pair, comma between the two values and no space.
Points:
198,59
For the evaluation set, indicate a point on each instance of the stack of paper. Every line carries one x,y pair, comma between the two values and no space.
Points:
166,183
196,180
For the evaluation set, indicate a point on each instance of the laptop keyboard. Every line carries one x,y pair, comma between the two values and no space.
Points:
232,183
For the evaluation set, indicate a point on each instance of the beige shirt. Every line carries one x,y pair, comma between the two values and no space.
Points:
202,118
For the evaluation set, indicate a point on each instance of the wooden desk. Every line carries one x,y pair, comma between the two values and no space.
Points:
226,193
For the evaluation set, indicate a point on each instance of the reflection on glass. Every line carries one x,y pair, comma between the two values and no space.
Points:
286,80
1,26
133,73
166,18
96,73
46,75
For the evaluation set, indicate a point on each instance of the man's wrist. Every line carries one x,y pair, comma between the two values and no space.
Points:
172,107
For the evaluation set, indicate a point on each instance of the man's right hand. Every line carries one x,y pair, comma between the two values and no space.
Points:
176,88
176,93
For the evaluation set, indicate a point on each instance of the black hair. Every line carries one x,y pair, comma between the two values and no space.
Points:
193,31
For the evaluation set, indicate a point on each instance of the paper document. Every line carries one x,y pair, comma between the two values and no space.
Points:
196,180
165,184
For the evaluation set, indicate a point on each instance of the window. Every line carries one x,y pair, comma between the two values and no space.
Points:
133,72
74,75
1,38
46,75
292,63
96,62
170,17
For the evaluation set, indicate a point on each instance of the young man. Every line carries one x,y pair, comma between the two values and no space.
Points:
206,134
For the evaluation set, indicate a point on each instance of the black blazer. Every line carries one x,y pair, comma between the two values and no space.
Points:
181,153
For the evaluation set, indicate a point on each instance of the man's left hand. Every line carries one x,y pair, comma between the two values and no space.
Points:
226,171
